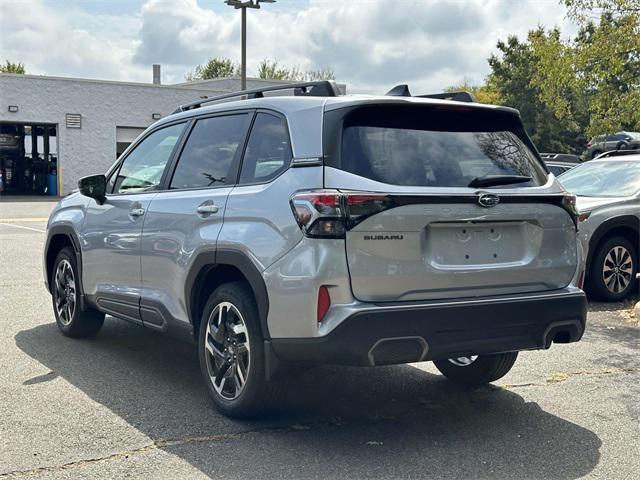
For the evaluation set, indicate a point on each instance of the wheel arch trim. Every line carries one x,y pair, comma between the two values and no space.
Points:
627,221
69,232
211,258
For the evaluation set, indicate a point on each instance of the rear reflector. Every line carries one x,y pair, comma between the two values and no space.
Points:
324,302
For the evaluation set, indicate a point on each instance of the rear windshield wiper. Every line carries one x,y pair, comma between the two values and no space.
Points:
493,180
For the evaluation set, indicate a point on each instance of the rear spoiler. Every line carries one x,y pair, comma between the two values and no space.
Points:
403,91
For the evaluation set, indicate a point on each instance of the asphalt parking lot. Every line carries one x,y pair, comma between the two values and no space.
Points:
130,403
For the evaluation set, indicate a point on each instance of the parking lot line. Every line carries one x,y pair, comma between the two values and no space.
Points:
22,226
25,219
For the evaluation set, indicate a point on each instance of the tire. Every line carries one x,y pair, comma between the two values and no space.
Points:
71,319
235,351
609,251
595,153
622,145
482,368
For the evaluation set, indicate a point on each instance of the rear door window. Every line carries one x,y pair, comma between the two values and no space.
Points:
268,151
417,146
209,153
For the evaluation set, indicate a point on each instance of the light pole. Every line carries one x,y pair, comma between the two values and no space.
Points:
243,5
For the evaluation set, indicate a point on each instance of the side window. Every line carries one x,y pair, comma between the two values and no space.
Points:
142,169
268,151
209,152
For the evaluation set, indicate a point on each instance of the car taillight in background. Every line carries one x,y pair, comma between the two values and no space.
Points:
329,213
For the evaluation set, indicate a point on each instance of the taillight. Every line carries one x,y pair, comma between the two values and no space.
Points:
324,302
330,213
319,214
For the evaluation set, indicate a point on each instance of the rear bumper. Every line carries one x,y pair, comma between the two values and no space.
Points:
388,334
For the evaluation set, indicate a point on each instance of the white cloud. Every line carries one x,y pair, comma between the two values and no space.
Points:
69,42
370,44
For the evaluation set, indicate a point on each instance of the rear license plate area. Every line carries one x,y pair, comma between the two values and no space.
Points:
477,244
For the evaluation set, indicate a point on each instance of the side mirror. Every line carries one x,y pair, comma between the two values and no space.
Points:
94,186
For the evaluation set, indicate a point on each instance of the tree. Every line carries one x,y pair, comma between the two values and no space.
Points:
218,67
602,63
511,71
487,93
10,67
273,70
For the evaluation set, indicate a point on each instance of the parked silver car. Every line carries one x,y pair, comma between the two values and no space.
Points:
317,228
608,200
617,141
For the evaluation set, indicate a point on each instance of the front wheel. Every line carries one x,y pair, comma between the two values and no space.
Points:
231,351
477,369
73,321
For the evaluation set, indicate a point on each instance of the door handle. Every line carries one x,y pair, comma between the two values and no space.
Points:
136,212
207,209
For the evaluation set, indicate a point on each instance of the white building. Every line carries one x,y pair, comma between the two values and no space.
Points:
55,130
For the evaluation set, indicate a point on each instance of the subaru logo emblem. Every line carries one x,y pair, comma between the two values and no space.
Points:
488,200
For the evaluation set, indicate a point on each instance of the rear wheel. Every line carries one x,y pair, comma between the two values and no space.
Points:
73,321
595,153
231,351
477,369
612,271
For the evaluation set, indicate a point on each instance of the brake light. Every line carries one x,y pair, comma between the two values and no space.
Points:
330,213
324,302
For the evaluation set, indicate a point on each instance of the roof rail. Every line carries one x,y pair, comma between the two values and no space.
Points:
320,88
618,153
402,90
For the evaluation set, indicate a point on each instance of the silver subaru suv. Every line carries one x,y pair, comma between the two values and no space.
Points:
296,227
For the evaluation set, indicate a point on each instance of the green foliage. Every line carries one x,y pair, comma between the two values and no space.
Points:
220,67
217,67
487,93
10,67
273,70
602,64
571,89
512,68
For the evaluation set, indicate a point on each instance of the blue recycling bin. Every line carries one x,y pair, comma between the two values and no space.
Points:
52,185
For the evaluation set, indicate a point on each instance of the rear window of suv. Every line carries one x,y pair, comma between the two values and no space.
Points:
438,146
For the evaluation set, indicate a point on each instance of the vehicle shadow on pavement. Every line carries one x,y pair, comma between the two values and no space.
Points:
391,422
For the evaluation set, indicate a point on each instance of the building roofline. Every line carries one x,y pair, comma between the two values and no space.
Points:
220,79
179,86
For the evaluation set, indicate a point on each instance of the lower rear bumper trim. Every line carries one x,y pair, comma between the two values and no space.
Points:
402,335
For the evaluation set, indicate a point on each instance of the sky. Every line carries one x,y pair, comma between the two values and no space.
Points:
371,45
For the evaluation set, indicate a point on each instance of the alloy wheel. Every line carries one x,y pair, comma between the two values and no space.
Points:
463,361
227,350
617,269
65,292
